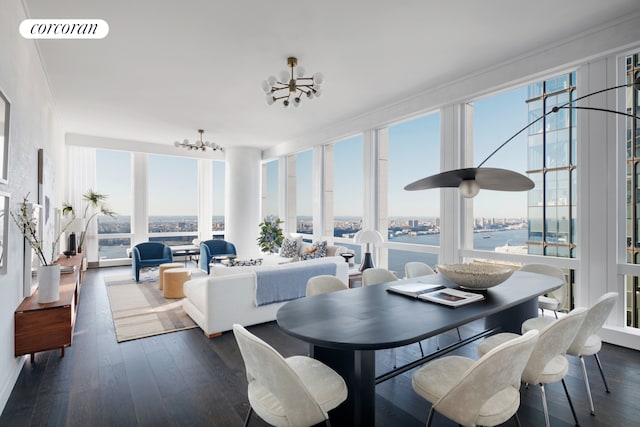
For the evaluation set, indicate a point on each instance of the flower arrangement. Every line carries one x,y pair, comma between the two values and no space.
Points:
27,222
94,205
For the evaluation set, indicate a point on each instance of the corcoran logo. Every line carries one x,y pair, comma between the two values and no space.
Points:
64,29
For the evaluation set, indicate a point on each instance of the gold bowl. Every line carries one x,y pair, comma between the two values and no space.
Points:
475,276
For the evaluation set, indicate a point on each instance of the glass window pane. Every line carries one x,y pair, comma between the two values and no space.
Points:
173,206
348,182
217,198
414,152
304,192
113,178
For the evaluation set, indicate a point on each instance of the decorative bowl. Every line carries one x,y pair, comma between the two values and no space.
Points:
475,276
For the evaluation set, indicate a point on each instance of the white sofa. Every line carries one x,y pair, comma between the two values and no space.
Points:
228,295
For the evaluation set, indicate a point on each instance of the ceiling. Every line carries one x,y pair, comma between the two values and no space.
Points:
168,68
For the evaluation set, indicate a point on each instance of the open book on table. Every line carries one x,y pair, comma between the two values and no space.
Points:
414,289
451,297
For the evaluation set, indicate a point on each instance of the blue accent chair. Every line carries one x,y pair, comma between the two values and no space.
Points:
215,247
149,254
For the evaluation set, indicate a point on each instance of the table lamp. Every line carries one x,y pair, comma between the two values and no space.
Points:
369,237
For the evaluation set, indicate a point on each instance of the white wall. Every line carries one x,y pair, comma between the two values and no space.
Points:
33,125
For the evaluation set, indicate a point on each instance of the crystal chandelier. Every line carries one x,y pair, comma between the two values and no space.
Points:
199,144
291,89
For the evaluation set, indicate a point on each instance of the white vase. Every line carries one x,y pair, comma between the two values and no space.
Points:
48,283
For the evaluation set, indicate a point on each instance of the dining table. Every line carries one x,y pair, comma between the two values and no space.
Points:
345,328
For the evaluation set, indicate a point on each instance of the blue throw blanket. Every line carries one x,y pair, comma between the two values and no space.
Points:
286,284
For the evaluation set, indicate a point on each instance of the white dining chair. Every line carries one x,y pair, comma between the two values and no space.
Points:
547,363
484,392
323,284
553,300
296,391
416,269
377,275
587,342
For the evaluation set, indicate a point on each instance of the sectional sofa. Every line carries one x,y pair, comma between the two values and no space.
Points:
237,294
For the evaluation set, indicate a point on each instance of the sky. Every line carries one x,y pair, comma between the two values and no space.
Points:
414,153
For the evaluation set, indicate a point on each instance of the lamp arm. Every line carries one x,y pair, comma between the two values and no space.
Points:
635,84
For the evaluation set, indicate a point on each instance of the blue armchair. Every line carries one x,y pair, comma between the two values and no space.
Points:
149,254
215,247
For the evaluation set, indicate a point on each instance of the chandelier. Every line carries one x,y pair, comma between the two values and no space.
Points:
199,144
291,89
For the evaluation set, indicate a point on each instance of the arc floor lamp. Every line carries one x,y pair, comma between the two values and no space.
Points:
471,180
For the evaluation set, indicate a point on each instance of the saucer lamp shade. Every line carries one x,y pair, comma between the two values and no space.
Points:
369,237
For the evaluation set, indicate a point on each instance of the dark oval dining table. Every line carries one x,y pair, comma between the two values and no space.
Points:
345,328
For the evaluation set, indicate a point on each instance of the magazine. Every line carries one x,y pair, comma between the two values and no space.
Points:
451,297
414,289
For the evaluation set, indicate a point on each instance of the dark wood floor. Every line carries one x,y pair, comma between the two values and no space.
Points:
185,379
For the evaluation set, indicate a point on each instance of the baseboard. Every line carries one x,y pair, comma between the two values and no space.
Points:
7,387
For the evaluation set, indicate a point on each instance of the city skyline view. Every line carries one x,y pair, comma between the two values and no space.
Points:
414,152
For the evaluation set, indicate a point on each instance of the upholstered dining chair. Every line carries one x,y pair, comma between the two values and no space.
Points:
296,391
484,392
377,275
149,254
415,269
214,247
323,284
547,363
587,341
555,299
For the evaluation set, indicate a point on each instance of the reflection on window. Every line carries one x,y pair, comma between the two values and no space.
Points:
632,284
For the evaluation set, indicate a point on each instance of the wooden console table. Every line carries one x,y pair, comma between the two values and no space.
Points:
40,327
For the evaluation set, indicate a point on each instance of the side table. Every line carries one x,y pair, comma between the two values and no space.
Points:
355,275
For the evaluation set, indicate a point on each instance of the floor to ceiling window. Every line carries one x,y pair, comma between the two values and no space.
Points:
632,285
172,199
542,220
347,180
414,217
304,192
113,178
270,189
217,198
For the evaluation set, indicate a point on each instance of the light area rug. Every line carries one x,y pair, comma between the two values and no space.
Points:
139,310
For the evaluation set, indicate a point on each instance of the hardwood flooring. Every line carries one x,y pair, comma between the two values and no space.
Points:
185,379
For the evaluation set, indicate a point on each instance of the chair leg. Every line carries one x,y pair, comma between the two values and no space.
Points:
573,411
328,422
586,384
517,419
459,336
544,406
606,387
246,420
421,350
395,359
430,417
556,314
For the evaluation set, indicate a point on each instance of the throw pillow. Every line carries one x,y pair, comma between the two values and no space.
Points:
317,250
289,248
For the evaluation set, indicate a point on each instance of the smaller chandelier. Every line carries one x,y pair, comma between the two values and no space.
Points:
199,144
290,89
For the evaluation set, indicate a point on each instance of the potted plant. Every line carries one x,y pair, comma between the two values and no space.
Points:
271,236
26,219
94,205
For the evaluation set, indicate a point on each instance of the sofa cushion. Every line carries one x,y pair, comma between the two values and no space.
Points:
290,247
317,250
